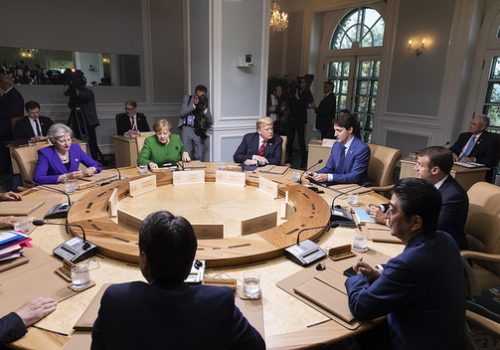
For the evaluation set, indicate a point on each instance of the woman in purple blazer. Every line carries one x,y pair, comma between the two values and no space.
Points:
60,162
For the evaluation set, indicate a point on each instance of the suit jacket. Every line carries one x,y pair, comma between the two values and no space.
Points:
86,101
24,130
326,112
50,166
453,210
11,105
188,107
123,123
355,163
249,147
11,328
484,149
137,315
298,107
422,293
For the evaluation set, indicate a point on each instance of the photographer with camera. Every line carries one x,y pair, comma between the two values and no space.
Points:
83,117
194,121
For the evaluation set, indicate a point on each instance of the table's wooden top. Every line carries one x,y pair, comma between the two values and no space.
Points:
283,327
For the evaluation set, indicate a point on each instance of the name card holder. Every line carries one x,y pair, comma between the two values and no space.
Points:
230,178
142,185
189,177
268,186
112,203
328,143
259,223
209,231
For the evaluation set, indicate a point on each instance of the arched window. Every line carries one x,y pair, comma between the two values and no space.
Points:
357,39
363,27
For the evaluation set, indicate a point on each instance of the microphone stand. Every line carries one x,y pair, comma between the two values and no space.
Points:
305,171
58,211
306,252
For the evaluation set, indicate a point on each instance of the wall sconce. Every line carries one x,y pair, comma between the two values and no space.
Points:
416,48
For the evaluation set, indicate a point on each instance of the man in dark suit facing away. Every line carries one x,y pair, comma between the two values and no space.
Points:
165,312
32,125
476,145
131,123
261,147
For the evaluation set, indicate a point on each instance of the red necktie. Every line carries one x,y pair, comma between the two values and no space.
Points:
262,148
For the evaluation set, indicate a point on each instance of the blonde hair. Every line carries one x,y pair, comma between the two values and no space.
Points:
264,121
160,124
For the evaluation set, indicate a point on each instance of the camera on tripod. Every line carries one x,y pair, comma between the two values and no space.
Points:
73,78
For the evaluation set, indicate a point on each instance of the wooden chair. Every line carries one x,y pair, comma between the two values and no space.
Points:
283,149
381,167
139,140
27,157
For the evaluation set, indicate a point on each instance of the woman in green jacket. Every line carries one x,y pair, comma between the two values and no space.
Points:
163,147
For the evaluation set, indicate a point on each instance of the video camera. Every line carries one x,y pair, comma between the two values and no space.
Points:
73,78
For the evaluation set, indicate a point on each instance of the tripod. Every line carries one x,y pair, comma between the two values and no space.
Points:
78,123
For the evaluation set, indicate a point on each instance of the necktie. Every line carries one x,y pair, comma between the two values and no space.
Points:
262,148
38,129
133,124
341,160
470,146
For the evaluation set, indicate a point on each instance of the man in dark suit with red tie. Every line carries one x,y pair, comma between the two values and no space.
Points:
34,124
261,147
476,145
325,112
131,123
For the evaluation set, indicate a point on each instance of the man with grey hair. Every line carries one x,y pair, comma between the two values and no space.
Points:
476,145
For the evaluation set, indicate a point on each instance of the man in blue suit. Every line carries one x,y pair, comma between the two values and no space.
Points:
348,162
434,164
165,312
260,148
422,290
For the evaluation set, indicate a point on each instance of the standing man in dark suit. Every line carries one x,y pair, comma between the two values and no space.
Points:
421,290
325,112
130,124
476,145
11,108
348,161
165,312
434,164
261,147
34,124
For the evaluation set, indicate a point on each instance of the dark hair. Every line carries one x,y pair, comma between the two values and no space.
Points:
170,246
347,120
31,105
329,82
201,88
438,156
419,197
131,103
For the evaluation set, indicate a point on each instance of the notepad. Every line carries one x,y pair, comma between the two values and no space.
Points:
362,216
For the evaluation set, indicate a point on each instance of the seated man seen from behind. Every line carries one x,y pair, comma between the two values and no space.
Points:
162,148
261,147
434,164
422,290
476,145
348,161
61,161
165,312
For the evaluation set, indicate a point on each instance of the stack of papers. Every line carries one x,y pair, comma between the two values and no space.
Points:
469,165
12,244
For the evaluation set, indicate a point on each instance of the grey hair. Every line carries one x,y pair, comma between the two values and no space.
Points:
57,130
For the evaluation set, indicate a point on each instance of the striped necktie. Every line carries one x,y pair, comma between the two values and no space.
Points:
262,148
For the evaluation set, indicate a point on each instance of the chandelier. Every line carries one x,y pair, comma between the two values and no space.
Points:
28,53
279,20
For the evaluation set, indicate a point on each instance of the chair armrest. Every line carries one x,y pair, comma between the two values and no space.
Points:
470,254
484,322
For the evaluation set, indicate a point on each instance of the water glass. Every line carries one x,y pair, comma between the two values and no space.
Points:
21,225
360,242
353,199
222,166
143,169
70,186
296,176
412,155
80,276
251,285
32,142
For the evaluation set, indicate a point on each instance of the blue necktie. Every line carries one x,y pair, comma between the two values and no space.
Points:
341,160
470,146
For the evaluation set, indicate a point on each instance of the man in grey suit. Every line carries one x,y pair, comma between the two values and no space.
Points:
194,121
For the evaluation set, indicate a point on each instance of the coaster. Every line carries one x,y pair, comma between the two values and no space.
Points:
81,288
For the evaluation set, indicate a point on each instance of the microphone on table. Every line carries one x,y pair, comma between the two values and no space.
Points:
74,249
58,211
305,171
306,252
341,216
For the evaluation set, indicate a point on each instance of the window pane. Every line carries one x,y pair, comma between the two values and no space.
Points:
371,16
493,95
493,112
365,69
345,85
367,40
363,88
495,68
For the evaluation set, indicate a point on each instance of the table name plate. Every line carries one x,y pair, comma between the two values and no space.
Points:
142,185
230,178
189,177
268,186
